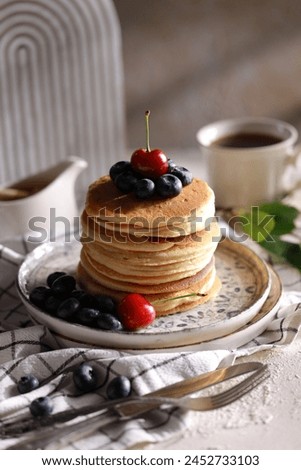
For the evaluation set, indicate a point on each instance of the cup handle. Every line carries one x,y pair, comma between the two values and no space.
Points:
10,255
293,156
291,162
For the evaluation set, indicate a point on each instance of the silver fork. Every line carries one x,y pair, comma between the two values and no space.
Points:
136,407
126,409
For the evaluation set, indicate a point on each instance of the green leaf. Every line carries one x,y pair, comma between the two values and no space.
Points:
258,224
288,251
266,223
284,217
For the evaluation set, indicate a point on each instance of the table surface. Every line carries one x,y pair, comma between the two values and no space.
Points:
267,418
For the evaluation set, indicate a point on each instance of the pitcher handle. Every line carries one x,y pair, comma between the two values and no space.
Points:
10,255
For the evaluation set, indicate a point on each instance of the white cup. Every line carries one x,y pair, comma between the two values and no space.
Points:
242,176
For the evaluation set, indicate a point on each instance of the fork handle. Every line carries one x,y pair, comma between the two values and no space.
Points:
62,436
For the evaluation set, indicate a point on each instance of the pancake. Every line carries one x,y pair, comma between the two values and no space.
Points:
152,217
146,265
160,248
129,283
165,303
114,239
177,261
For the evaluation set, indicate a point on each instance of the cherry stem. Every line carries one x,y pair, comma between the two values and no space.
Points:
147,113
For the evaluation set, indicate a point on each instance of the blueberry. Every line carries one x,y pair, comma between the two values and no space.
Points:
86,300
107,321
27,383
119,387
183,174
126,182
144,189
42,406
54,276
63,286
171,165
38,295
78,293
88,316
68,308
168,185
85,377
105,303
89,301
119,167
52,304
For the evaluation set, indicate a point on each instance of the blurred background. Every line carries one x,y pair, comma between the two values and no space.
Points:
192,62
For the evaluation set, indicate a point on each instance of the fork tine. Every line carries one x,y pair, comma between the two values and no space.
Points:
213,402
236,392
239,390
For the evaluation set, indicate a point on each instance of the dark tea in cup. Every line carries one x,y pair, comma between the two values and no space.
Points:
247,140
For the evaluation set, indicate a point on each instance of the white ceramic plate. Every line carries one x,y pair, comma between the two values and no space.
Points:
246,283
234,340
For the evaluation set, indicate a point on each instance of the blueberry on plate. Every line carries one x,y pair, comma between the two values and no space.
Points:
183,174
144,188
88,316
105,303
63,286
52,304
78,294
38,296
119,387
107,321
85,377
119,167
42,406
27,383
168,185
88,300
68,308
54,276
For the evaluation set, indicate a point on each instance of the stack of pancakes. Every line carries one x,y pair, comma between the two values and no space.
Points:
160,248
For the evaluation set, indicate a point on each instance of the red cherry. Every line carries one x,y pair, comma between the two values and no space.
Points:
151,163
135,312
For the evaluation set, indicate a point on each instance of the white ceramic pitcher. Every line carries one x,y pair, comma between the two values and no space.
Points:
50,206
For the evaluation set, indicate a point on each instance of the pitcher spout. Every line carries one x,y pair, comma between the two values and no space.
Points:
73,167
68,170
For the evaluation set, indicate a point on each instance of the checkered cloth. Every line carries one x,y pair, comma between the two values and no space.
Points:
25,348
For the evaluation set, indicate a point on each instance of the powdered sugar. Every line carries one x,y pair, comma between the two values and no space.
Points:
268,417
